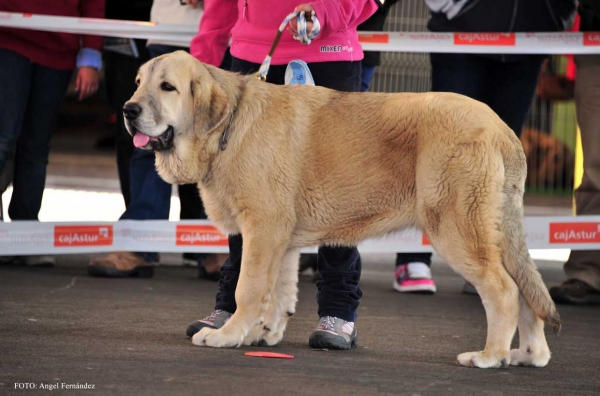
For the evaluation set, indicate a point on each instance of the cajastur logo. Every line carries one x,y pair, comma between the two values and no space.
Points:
484,39
574,232
379,38
591,38
199,235
83,235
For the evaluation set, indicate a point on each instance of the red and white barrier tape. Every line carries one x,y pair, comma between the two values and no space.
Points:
489,43
580,233
18,238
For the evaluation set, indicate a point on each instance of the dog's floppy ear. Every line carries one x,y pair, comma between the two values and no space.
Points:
209,96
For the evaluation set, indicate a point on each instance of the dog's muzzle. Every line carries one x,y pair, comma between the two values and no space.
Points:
162,142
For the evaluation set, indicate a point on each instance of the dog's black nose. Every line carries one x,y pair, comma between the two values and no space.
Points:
131,111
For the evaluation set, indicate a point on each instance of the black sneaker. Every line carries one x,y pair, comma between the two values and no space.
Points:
215,320
575,292
333,333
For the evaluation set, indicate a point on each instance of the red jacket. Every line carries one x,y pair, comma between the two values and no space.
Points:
56,50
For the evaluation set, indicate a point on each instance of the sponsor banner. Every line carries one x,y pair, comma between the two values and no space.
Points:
28,237
591,38
489,43
83,235
381,38
570,233
484,39
486,43
199,235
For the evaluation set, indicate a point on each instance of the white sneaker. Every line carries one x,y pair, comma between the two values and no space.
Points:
298,73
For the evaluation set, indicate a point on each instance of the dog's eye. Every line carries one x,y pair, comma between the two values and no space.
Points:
137,82
167,87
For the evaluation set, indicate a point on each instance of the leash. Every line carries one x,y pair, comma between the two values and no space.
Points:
303,36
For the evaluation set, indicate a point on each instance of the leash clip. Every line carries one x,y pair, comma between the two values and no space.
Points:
303,36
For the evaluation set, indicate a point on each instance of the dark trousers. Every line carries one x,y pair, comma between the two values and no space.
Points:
507,87
338,293
30,99
120,71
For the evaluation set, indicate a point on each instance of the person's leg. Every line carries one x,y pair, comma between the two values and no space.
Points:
150,200
150,195
47,91
192,209
366,77
15,82
583,267
338,294
464,74
511,89
120,71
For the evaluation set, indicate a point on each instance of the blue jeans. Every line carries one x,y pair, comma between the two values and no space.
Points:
338,293
30,100
507,87
366,77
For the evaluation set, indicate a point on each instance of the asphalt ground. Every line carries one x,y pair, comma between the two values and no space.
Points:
59,327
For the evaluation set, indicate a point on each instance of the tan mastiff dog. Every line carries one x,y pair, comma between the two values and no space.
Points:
295,166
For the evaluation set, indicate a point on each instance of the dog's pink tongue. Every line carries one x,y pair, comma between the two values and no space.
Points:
140,140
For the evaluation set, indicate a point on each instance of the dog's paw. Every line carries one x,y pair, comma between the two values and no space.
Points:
216,338
529,357
482,360
271,338
254,336
263,336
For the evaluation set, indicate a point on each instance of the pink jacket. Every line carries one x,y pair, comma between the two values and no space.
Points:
252,26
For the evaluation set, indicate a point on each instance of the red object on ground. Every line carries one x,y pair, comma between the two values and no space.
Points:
269,355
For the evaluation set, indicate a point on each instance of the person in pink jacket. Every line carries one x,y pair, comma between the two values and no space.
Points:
334,58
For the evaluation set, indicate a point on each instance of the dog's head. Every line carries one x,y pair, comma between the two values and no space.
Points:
177,103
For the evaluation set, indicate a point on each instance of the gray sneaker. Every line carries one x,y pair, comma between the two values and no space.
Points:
215,320
333,333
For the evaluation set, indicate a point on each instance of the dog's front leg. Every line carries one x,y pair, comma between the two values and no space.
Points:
261,261
282,306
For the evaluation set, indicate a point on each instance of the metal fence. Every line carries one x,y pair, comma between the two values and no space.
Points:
550,131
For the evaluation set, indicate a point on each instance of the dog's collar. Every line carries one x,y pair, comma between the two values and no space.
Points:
227,132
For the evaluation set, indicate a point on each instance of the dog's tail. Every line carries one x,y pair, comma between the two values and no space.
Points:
515,254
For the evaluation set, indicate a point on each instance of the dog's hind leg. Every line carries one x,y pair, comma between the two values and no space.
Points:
282,306
533,348
463,226
479,262
263,252
536,305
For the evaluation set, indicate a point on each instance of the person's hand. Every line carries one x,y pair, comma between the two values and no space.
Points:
87,82
308,9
